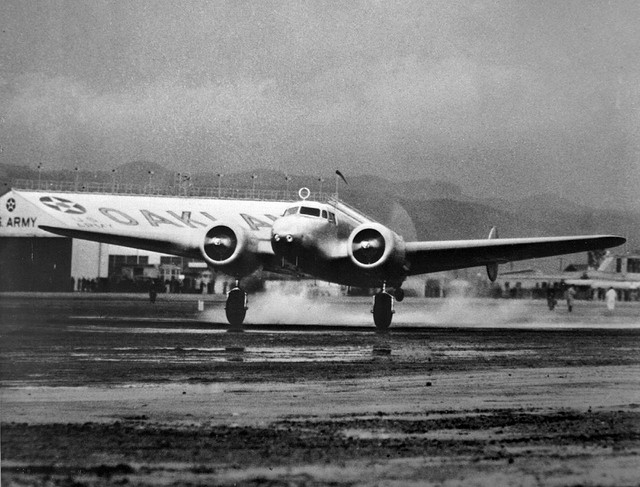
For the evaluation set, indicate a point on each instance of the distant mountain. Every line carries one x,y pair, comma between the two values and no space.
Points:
14,171
420,189
448,219
141,169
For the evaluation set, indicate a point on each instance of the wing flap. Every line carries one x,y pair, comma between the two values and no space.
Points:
427,257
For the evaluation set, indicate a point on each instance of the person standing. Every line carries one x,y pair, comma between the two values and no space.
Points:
610,298
153,291
551,297
571,296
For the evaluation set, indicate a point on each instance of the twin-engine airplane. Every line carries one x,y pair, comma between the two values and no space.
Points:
329,241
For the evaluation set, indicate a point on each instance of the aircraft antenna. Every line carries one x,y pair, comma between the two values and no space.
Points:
338,177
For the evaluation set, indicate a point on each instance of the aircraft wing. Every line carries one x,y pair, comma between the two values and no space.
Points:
176,244
425,257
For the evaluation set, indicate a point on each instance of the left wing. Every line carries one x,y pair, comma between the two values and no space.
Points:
425,257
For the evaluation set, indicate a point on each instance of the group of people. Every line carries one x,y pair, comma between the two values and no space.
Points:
86,285
610,297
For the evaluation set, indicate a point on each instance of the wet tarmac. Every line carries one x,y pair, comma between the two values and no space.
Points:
114,390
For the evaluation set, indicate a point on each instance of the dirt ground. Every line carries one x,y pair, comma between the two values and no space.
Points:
116,391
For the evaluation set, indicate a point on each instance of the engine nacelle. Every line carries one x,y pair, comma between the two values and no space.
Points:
372,246
228,247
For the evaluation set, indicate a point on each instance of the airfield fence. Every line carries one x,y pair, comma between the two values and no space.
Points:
190,191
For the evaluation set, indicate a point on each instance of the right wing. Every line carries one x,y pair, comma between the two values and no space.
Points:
178,243
425,257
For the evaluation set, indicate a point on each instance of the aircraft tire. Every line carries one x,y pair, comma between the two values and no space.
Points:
236,307
382,311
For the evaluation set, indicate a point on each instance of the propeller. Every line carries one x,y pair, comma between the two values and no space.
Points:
220,243
368,246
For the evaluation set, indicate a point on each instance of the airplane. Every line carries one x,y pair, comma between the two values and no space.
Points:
618,271
327,240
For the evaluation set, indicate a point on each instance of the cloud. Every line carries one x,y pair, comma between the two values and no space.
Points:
165,121
520,97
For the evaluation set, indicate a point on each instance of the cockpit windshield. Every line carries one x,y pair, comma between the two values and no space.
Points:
310,211
306,210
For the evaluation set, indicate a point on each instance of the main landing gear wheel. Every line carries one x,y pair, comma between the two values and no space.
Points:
236,307
382,311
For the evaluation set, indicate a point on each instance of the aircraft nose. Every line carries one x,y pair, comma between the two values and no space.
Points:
289,238
284,239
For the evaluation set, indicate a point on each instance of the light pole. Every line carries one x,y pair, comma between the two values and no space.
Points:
150,176
253,185
39,171
287,179
113,180
220,185
321,180
75,186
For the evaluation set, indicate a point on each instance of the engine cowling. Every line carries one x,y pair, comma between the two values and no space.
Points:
228,247
372,246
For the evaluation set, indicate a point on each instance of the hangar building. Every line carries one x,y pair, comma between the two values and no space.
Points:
32,259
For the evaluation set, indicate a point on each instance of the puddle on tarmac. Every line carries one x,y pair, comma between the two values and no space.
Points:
143,330
204,355
196,355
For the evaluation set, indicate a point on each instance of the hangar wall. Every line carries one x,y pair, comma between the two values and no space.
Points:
34,260
35,264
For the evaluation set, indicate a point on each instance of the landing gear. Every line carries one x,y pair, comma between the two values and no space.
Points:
398,294
236,307
382,310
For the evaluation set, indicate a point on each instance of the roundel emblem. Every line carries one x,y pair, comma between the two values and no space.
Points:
11,204
63,205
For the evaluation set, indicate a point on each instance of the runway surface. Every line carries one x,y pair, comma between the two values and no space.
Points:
112,389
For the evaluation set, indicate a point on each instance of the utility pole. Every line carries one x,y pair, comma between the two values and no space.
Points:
253,185
287,179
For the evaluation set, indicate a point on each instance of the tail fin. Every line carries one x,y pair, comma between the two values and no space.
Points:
492,269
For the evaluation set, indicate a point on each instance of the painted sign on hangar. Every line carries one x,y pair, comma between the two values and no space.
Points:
20,218
91,211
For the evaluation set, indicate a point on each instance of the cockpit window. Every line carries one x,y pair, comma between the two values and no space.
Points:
309,211
305,210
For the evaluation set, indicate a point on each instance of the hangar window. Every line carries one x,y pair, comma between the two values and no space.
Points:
306,210
119,260
618,265
633,265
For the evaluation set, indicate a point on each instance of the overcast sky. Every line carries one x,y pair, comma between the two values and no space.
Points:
501,97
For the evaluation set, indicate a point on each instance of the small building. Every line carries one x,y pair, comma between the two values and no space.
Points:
620,271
